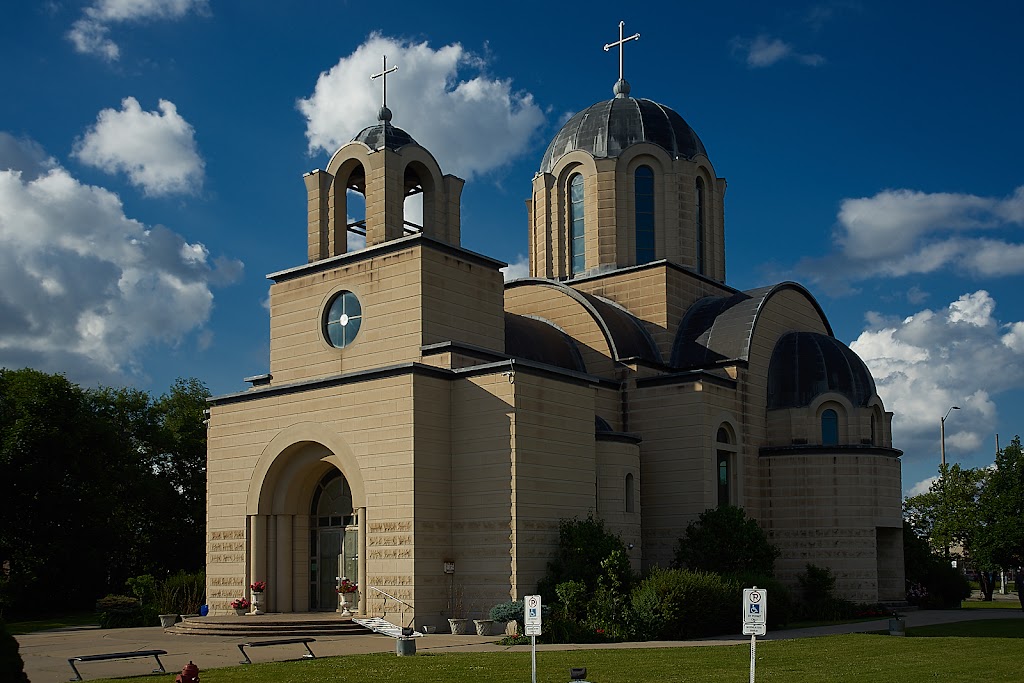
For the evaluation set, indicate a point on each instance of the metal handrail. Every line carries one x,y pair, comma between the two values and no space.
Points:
396,599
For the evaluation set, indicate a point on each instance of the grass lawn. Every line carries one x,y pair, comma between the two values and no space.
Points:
967,652
20,628
995,604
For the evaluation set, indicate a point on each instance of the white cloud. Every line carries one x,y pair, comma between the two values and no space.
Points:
83,287
520,268
905,232
90,34
156,149
921,486
925,363
472,123
764,51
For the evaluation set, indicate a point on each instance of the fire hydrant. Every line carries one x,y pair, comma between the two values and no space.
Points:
190,674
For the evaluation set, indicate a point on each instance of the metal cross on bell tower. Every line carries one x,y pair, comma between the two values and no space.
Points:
622,86
385,113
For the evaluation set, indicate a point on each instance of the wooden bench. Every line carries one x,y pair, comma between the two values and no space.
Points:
279,641
118,655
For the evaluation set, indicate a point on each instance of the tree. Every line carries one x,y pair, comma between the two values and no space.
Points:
1001,508
98,486
583,544
947,516
724,540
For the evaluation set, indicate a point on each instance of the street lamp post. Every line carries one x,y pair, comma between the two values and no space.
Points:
942,432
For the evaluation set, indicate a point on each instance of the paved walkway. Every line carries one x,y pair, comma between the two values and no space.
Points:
46,652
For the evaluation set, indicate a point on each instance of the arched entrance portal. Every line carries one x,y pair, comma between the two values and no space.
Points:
333,540
306,513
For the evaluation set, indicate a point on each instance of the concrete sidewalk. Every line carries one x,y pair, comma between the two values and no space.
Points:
46,652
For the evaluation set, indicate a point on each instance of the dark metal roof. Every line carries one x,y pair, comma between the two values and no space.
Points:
805,365
539,340
626,336
606,129
383,135
719,328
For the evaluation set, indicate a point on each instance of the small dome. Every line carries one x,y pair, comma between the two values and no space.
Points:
383,135
606,129
805,365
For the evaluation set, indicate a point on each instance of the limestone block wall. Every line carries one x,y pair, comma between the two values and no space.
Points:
266,452
827,509
481,426
618,469
658,294
553,470
785,310
411,293
673,422
462,301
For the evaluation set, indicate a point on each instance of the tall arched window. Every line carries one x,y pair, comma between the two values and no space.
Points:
829,428
698,213
643,193
630,494
724,466
577,233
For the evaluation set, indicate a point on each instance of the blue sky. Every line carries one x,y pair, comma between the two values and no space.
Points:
152,152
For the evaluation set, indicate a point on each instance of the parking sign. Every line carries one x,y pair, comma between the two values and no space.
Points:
532,614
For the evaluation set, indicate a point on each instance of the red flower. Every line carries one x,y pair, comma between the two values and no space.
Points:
258,586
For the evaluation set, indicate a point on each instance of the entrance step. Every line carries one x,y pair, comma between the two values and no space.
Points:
269,625
384,627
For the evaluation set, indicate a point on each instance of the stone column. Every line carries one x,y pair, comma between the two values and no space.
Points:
258,549
363,585
284,563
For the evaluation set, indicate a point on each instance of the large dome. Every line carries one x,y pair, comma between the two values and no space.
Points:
607,128
805,365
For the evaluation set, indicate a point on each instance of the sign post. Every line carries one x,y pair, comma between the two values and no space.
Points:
532,621
755,620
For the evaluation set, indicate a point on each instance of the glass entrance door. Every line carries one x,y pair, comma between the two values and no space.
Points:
330,547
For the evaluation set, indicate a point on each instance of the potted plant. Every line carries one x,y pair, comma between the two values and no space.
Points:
483,626
457,622
167,620
240,605
257,588
346,591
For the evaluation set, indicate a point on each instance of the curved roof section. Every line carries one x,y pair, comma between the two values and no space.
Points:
805,365
719,328
383,135
539,340
627,337
606,129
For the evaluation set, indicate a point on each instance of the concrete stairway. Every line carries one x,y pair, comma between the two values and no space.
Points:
269,625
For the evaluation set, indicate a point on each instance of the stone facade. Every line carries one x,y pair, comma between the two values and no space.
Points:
423,427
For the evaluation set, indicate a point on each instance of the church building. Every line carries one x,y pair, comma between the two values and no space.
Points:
424,426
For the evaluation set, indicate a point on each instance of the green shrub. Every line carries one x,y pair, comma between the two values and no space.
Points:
816,583
582,546
122,611
143,587
675,604
725,541
509,611
181,593
12,667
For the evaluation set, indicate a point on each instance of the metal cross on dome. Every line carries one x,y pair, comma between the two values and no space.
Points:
620,42
383,75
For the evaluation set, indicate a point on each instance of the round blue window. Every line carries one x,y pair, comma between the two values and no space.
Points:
344,316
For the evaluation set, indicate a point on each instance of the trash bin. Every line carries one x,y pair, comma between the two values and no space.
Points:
405,646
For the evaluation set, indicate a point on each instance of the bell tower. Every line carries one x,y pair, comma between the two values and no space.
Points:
385,166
